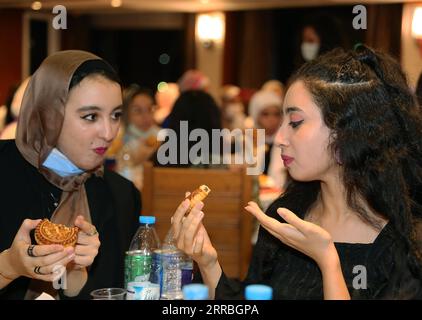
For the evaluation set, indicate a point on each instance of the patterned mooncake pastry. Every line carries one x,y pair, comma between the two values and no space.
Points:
48,232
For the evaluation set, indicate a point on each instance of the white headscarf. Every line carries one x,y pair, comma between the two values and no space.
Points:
261,100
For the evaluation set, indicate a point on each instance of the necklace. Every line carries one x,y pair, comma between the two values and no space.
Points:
55,200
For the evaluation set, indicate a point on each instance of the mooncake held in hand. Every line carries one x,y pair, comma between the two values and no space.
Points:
48,232
197,195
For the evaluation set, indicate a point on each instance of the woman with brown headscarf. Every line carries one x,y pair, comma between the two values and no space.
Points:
70,115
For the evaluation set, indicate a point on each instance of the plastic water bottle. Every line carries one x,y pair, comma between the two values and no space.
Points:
172,261
258,292
186,269
195,291
138,262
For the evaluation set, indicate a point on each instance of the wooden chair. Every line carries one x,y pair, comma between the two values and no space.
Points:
228,224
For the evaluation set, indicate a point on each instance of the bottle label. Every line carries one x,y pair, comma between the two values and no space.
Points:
187,275
171,275
143,290
137,267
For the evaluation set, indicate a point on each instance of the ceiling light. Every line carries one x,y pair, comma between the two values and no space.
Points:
116,3
36,5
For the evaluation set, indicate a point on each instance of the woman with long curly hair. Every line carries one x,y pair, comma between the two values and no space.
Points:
347,225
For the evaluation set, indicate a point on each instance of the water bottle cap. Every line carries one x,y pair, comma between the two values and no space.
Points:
258,292
147,219
195,291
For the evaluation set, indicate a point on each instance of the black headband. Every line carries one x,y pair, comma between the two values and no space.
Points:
93,66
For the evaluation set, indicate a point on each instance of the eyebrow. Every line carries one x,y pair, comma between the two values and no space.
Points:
95,108
292,109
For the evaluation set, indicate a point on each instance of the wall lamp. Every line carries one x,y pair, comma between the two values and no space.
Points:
417,27
210,28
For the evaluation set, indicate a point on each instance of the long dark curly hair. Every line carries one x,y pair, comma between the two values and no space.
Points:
376,132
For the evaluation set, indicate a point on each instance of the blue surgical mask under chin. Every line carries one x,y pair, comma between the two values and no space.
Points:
61,165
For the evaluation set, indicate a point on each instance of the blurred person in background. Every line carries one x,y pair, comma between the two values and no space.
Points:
165,98
190,80
232,108
275,86
193,80
319,34
6,115
265,111
9,131
198,110
140,133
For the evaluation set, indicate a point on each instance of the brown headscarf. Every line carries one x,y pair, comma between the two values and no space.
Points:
40,123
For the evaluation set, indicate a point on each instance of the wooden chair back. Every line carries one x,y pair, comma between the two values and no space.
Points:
227,223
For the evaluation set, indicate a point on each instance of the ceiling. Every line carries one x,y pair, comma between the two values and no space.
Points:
91,6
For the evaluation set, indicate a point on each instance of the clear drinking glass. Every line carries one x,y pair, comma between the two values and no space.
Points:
108,294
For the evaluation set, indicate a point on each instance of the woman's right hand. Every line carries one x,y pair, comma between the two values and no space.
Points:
47,260
191,236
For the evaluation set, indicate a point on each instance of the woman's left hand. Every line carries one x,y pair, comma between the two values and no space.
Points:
299,234
88,243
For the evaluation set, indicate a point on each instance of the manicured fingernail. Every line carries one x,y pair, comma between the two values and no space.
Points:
70,257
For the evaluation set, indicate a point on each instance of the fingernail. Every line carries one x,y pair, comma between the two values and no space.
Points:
71,256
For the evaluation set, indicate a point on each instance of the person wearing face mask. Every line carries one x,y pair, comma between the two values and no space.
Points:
70,114
310,44
319,34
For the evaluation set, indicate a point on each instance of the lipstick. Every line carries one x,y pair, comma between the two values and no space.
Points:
287,160
100,151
